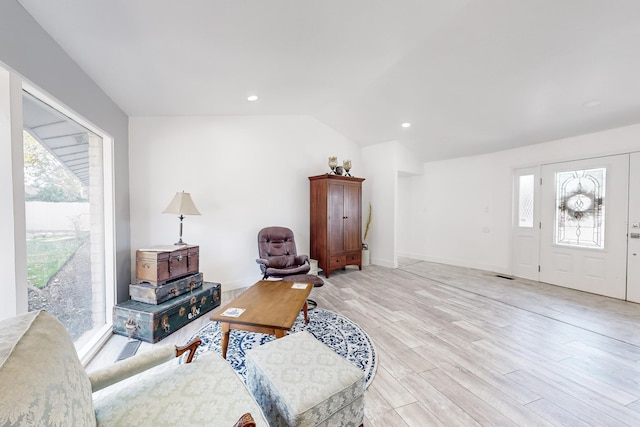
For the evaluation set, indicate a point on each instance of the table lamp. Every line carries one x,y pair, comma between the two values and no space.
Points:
181,205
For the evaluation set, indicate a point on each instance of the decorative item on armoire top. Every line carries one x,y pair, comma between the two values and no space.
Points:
339,170
181,205
333,163
347,167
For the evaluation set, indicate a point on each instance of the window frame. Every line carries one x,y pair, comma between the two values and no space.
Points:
91,346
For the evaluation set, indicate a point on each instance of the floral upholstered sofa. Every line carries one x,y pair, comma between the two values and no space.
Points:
42,383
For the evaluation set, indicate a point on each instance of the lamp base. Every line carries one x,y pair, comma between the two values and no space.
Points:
180,243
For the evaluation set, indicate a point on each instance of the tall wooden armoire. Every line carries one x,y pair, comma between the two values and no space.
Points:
336,221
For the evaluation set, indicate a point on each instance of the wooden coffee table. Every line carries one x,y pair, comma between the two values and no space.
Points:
270,307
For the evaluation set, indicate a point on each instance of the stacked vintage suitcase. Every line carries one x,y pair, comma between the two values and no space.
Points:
169,293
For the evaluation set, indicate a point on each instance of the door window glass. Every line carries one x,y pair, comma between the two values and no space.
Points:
525,202
580,208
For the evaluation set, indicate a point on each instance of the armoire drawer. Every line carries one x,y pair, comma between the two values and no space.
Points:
353,258
337,261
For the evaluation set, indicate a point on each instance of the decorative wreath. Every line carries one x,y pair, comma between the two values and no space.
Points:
579,210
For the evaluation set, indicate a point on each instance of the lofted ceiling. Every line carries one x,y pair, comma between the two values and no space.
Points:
471,76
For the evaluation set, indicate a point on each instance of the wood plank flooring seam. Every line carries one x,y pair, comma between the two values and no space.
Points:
524,309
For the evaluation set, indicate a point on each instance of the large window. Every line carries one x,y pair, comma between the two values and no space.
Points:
65,220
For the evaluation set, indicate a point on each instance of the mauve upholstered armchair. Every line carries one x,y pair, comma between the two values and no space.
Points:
278,255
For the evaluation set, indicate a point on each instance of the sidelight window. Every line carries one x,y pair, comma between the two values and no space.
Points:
525,201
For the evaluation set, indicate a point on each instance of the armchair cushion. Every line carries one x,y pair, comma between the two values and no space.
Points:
42,381
204,392
280,261
282,272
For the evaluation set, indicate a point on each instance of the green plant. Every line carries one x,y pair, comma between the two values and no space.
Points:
47,178
366,228
45,257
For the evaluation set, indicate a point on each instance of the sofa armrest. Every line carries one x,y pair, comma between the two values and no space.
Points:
124,369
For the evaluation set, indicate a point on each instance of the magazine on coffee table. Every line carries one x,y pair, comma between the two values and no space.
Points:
232,312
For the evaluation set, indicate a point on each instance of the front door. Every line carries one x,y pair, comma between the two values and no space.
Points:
633,257
583,231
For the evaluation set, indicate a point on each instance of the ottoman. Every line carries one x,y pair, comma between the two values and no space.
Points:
298,381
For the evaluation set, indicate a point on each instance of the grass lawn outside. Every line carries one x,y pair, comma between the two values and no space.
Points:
46,255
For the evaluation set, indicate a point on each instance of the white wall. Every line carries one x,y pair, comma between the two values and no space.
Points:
381,162
50,216
385,163
243,173
407,162
13,257
459,211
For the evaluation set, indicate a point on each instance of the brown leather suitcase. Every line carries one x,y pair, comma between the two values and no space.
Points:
160,264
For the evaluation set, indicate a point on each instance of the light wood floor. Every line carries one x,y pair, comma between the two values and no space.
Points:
461,347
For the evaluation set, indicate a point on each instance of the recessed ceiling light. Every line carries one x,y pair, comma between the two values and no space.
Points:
406,125
252,98
592,103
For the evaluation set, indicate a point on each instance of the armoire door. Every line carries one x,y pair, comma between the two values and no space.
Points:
352,221
336,197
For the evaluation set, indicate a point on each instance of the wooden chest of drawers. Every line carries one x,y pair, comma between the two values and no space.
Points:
335,223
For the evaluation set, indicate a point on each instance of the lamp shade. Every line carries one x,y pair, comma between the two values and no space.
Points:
182,204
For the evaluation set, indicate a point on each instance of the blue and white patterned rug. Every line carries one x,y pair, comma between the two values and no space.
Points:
338,332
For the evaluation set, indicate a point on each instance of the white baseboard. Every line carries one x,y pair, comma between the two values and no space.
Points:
239,284
456,262
384,263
